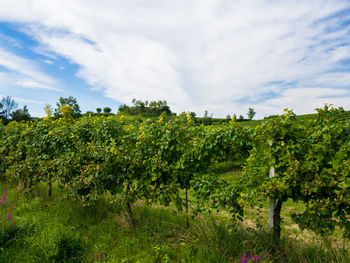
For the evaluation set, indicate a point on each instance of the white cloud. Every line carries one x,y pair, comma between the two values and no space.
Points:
5,40
303,100
199,55
31,84
47,61
24,73
39,102
43,51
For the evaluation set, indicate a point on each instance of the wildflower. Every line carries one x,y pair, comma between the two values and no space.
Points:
251,257
243,258
99,256
257,259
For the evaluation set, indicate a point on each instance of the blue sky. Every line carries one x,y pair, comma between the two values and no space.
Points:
221,56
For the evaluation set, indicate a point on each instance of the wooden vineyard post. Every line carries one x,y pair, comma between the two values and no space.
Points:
272,201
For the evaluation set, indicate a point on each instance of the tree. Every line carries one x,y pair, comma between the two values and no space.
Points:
66,111
241,118
70,101
147,108
251,113
98,110
228,118
139,106
48,110
8,105
156,108
124,108
107,109
207,119
21,114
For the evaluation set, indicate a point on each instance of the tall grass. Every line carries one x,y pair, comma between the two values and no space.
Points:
62,230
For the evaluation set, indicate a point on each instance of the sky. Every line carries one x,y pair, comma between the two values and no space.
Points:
222,56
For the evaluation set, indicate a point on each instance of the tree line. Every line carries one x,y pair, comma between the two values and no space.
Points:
9,110
69,106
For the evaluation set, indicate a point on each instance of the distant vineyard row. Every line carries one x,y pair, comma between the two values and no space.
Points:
158,161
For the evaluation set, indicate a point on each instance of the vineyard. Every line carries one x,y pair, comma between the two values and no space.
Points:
167,163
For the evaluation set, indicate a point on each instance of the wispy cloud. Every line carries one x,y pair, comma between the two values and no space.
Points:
39,102
9,41
199,55
24,73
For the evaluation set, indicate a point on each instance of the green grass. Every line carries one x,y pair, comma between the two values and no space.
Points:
50,230
225,167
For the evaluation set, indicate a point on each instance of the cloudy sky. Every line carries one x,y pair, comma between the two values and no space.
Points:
221,56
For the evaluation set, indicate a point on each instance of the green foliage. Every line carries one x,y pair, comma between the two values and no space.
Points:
20,114
48,110
161,161
7,106
311,160
90,156
148,109
71,102
214,193
107,109
207,119
8,236
327,188
285,136
68,248
251,113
